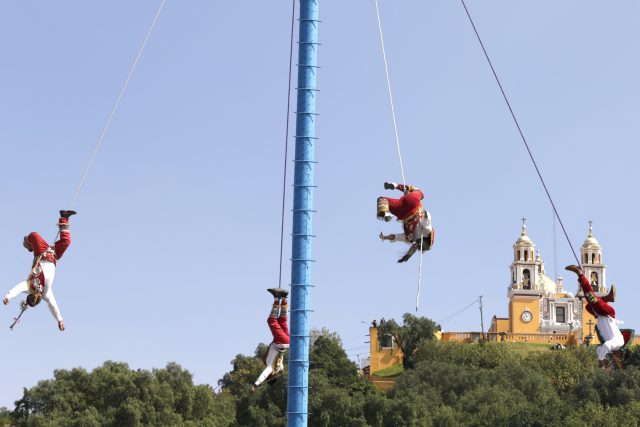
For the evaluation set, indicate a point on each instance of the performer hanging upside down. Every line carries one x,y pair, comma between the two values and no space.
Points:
605,315
277,322
38,285
416,221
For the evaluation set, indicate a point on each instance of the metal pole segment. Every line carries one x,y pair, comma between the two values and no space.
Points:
298,388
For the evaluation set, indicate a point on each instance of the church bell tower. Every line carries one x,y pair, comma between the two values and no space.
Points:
594,269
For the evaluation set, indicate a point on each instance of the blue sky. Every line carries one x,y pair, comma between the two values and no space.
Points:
178,230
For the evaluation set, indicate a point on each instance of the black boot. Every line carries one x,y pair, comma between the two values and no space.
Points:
67,214
278,292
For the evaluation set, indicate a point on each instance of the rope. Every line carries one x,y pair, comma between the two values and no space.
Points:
115,106
515,120
452,316
419,274
393,110
286,139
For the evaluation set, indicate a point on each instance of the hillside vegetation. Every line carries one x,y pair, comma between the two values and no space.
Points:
445,384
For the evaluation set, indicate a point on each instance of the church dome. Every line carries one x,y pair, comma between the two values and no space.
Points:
524,240
591,242
547,284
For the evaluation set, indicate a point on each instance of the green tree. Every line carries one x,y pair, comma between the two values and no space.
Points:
115,395
409,335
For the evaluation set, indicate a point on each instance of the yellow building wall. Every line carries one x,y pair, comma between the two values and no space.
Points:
499,324
586,317
382,358
517,305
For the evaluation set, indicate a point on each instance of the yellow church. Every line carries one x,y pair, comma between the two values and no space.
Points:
540,309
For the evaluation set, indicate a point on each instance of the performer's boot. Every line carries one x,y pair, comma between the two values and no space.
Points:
67,214
278,292
574,268
383,209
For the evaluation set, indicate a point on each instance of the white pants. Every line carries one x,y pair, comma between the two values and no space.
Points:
608,327
49,271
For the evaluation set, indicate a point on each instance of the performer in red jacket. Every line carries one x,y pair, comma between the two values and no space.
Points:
605,315
416,221
277,322
39,284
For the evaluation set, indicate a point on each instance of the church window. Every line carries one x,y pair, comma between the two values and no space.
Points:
599,258
593,258
586,258
594,279
526,255
561,315
518,252
526,279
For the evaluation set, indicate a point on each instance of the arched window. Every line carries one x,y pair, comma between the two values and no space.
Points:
526,255
526,279
518,254
599,258
593,258
586,258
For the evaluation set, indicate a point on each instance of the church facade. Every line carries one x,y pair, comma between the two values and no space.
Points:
540,309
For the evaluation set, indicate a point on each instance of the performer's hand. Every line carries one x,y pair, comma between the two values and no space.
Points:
389,186
61,325
253,388
381,236
5,300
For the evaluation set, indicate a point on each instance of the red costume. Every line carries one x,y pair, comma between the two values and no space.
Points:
606,321
416,221
51,254
40,280
277,322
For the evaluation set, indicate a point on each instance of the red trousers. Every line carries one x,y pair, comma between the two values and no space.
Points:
407,205
279,329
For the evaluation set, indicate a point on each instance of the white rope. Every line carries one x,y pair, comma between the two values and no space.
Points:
115,106
393,110
419,275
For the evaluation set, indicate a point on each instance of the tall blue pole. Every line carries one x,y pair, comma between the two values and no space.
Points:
298,388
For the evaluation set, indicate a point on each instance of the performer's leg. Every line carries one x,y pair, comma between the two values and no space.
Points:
387,205
21,287
49,273
272,320
283,337
65,234
410,204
